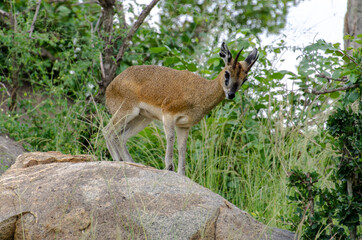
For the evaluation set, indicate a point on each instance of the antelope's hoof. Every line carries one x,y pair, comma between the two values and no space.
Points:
170,167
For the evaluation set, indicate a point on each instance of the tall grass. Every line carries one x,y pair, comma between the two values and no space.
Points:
238,154
243,158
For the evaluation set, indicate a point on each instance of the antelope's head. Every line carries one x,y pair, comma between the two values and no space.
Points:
235,73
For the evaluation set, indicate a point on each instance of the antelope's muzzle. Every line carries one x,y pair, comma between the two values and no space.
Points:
231,95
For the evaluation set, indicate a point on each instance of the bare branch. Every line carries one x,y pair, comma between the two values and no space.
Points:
121,16
314,91
34,19
346,55
11,18
98,21
134,28
105,25
4,14
47,54
102,67
4,87
343,79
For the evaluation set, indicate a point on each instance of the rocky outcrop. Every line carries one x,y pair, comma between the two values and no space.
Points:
56,196
9,151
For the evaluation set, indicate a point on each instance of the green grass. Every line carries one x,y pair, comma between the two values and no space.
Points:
232,152
244,160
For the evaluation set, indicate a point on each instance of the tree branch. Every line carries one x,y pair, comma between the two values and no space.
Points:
109,60
12,18
121,16
4,87
343,79
34,19
346,55
47,54
316,92
134,28
98,22
4,14
102,66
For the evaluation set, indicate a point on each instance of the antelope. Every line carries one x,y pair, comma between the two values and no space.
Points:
180,99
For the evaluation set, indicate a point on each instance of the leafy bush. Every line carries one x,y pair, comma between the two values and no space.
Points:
242,150
334,211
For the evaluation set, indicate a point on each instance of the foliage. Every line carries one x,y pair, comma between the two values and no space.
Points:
326,212
61,54
204,21
243,150
346,127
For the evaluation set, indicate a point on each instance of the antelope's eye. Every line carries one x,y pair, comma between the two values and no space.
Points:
227,78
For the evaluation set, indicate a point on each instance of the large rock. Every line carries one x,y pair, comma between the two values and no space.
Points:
56,196
9,151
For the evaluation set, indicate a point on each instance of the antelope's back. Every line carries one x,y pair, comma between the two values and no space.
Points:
154,84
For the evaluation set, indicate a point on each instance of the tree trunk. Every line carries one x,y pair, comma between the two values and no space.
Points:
352,27
110,60
353,22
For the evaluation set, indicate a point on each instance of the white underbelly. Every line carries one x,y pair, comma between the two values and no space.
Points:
150,111
154,112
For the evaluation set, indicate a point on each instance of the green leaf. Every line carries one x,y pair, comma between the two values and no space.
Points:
180,67
351,66
336,74
215,61
158,49
338,53
63,11
353,78
245,30
336,45
345,58
353,96
191,67
277,75
334,95
260,106
170,60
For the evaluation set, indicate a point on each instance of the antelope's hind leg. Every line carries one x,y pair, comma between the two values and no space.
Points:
182,134
169,127
110,134
115,129
132,128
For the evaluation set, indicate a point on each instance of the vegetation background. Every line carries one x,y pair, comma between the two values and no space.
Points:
259,151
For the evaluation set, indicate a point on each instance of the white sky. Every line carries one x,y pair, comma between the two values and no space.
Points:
307,22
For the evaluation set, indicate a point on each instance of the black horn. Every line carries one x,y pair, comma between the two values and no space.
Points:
236,58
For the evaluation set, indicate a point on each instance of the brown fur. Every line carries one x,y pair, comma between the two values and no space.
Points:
175,92
178,98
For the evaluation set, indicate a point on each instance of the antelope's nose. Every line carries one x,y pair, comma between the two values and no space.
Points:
231,95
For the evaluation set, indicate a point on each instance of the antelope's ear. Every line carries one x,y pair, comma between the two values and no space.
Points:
251,59
225,54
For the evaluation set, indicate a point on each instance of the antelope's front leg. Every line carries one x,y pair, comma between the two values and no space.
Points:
182,134
169,127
